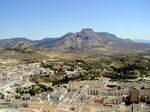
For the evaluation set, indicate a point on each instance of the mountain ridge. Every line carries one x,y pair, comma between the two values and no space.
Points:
85,41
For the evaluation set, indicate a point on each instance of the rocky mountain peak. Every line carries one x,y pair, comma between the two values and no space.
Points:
87,30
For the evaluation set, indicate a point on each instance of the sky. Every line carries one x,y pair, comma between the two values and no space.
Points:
37,19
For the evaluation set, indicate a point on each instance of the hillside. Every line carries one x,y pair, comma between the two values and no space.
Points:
24,47
5,43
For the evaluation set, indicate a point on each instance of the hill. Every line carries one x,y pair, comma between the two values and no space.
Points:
5,43
24,47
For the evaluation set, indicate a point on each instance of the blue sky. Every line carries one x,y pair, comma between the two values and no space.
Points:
37,19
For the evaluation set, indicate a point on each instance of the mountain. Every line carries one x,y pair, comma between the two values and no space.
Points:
46,42
111,37
88,41
5,43
22,46
85,41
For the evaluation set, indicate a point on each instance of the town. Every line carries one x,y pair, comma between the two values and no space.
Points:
66,86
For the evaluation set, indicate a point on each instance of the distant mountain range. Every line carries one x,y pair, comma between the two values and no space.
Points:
4,43
142,41
85,41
